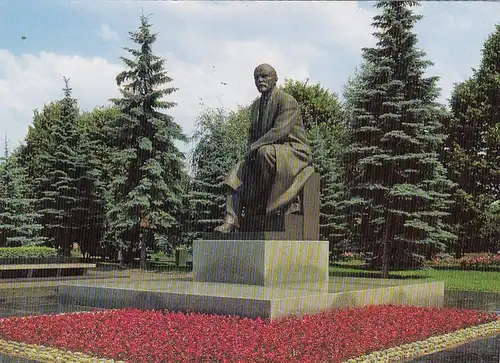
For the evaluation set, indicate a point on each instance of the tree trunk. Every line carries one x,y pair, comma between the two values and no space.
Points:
144,237
385,250
385,259
458,246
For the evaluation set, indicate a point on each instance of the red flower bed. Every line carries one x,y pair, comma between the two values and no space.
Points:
480,259
155,336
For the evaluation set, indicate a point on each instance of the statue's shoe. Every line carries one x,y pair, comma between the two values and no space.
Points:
227,228
293,209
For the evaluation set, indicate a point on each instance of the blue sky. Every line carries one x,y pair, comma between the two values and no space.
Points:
206,43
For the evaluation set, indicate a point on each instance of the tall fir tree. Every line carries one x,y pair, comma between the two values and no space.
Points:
56,187
94,178
37,142
90,207
19,224
397,184
355,83
145,189
472,150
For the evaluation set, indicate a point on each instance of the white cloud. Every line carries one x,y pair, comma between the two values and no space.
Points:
225,79
30,81
106,33
206,43
338,23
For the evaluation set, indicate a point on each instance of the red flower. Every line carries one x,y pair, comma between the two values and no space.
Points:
158,336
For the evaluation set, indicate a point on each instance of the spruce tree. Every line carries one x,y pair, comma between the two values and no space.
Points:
94,178
472,152
145,197
37,142
90,207
56,187
396,182
18,221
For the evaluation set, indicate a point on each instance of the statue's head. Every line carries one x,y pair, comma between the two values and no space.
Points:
265,78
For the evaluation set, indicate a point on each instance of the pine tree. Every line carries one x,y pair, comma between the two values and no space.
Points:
355,83
145,190
56,186
472,152
18,222
94,177
90,207
37,142
397,184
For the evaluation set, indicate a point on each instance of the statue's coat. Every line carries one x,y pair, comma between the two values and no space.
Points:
278,127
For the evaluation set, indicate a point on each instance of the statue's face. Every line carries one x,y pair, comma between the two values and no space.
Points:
265,78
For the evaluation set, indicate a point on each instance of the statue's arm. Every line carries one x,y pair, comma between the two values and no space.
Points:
288,115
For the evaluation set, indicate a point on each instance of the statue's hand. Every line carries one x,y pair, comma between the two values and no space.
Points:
249,154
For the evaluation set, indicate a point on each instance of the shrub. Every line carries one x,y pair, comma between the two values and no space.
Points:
443,259
480,260
160,255
27,252
469,260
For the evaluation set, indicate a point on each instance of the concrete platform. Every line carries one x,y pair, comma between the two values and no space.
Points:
264,263
250,301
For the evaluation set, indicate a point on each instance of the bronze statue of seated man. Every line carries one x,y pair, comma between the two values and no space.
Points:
278,160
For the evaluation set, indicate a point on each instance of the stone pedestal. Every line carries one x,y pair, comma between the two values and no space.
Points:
181,258
254,278
299,265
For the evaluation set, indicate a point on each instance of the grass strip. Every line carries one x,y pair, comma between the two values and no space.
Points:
480,281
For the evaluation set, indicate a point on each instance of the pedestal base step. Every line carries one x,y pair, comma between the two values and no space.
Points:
241,300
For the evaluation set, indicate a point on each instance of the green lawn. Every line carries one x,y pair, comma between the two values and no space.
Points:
485,281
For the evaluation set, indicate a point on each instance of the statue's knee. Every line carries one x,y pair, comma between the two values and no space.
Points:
265,152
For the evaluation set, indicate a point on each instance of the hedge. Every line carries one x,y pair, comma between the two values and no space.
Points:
37,252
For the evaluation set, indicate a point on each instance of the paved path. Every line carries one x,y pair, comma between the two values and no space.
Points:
7,359
22,297
480,351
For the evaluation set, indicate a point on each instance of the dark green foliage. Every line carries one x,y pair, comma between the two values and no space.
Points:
221,140
56,186
89,210
491,226
146,164
18,221
398,187
36,142
355,83
317,104
472,150
323,116
94,159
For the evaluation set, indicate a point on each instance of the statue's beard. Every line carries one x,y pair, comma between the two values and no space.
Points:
263,88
